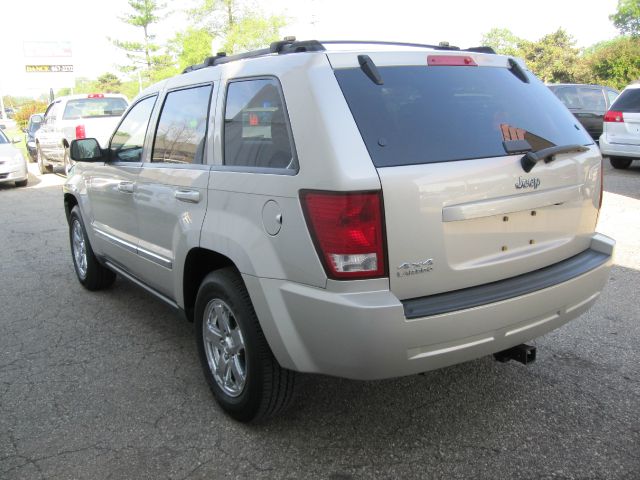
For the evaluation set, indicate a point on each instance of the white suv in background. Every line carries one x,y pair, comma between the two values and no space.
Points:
368,213
620,138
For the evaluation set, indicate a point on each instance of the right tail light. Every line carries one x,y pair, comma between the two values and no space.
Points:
347,230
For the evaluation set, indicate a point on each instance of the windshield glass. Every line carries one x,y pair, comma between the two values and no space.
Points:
94,107
3,138
436,114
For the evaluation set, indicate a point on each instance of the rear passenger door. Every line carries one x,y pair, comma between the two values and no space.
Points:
171,191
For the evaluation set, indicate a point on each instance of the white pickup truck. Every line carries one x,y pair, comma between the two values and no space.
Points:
74,117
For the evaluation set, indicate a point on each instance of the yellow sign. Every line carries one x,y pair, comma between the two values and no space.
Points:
49,68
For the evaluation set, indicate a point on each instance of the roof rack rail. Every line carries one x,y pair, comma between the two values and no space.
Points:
291,45
482,49
282,47
441,46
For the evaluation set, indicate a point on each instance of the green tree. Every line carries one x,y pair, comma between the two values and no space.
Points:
627,17
191,46
615,63
253,31
33,106
108,83
236,24
145,56
503,41
554,58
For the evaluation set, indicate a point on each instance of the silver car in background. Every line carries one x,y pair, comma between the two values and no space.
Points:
13,166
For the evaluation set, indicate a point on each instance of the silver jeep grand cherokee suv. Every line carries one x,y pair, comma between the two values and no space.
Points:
367,214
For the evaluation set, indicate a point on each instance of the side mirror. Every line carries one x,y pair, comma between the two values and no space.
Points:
86,150
16,140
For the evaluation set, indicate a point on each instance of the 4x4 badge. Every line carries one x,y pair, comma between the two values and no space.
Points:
413,268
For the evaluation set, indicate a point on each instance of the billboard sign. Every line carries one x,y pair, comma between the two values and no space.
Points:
48,64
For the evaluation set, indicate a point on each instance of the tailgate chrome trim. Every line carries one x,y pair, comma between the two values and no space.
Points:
505,289
512,203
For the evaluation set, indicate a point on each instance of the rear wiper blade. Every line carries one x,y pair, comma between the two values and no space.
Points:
530,159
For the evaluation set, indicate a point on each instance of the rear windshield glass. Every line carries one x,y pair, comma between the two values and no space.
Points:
628,101
437,114
94,107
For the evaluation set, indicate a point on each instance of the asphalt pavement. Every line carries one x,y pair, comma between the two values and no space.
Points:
108,385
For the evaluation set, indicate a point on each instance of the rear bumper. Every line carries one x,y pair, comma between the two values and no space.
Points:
618,149
14,174
366,335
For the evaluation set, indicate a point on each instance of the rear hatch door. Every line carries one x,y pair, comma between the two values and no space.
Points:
460,210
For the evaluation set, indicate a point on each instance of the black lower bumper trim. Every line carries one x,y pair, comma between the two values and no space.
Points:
504,289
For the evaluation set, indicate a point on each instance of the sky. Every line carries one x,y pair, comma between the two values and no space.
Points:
87,25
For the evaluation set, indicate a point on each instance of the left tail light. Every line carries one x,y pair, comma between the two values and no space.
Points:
347,230
80,132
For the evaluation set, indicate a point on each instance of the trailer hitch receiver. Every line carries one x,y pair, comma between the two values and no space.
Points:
520,353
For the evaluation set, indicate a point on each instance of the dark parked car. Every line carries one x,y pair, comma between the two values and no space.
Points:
35,122
587,102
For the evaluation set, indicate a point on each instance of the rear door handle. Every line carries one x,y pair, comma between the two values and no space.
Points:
125,187
191,196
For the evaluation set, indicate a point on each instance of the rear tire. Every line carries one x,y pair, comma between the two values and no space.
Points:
244,376
67,162
91,274
620,162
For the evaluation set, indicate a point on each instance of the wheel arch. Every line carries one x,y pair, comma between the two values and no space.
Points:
198,263
70,201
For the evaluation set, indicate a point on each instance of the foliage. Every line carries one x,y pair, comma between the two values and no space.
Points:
108,83
22,116
236,25
503,41
615,63
627,17
191,46
11,101
553,58
252,32
145,56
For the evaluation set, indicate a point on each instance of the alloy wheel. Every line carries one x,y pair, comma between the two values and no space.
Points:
224,347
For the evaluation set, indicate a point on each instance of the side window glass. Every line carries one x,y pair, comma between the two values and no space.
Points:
182,127
593,99
256,127
127,142
611,95
51,113
569,96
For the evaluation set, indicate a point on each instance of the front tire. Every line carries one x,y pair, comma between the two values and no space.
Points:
40,159
91,274
620,162
22,183
244,376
